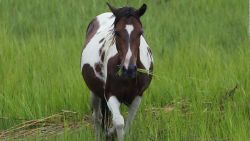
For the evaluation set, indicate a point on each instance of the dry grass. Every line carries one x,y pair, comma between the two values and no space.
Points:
49,126
57,124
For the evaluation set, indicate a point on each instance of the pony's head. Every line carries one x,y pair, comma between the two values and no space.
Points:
127,33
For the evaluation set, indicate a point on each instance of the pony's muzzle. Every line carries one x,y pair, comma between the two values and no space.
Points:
130,72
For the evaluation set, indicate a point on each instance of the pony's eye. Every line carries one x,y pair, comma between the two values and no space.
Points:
117,33
140,33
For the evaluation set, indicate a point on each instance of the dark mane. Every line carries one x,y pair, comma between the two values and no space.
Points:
125,12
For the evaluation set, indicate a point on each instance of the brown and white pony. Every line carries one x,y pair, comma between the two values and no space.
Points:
115,48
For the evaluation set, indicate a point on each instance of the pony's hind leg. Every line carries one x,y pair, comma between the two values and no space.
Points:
97,114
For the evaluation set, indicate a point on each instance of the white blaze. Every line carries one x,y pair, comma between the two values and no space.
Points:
129,29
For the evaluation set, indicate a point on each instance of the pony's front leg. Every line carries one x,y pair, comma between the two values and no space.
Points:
117,118
132,112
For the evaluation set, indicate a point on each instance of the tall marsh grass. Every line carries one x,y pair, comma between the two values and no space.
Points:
201,52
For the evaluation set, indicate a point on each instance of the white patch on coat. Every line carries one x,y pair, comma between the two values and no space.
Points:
129,29
90,54
145,56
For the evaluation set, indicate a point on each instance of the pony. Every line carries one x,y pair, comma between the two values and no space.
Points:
114,50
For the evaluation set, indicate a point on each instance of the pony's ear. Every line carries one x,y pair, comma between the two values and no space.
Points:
141,10
112,9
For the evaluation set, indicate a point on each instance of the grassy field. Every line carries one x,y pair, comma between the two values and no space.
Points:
201,52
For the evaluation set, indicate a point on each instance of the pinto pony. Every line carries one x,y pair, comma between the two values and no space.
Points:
115,48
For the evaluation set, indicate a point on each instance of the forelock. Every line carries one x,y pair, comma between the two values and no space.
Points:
126,12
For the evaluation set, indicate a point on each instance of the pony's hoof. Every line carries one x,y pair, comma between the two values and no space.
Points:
110,134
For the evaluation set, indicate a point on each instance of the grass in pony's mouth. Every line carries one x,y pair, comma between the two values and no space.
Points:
145,71
119,72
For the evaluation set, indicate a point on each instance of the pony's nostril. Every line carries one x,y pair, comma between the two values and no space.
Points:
135,68
123,68
130,71
132,68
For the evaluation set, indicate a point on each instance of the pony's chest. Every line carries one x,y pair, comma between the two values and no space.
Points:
127,89
124,90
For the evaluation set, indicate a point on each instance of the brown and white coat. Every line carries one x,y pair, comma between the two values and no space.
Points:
101,61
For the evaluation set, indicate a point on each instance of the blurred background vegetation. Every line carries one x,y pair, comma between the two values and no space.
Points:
201,66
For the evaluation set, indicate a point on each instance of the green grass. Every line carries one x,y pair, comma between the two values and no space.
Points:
201,50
